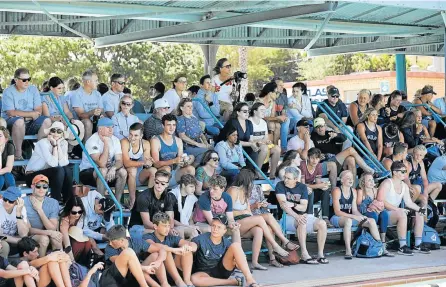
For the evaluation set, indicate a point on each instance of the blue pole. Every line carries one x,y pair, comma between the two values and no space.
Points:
400,65
104,182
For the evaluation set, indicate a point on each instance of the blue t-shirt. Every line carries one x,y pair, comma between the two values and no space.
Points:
293,195
170,240
340,109
436,172
208,254
110,101
138,245
52,106
50,207
25,101
189,126
87,102
218,206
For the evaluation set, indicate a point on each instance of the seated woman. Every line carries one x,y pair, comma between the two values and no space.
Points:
267,151
299,104
378,102
422,136
189,131
290,158
267,97
419,187
50,158
208,168
253,226
425,97
7,150
391,135
230,154
124,119
370,133
72,217
358,107
346,214
392,192
393,110
408,129
369,206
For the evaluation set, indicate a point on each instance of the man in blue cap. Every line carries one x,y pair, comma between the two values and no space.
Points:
105,150
14,222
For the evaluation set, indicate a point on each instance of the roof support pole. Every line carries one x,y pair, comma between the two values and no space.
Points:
321,29
210,57
400,63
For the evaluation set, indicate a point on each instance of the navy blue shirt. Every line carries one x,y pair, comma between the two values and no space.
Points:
170,240
294,194
138,245
208,254
340,109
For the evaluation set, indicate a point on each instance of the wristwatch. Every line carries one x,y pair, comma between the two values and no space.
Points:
19,217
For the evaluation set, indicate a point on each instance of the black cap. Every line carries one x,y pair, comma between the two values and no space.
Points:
222,218
303,123
333,91
108,206
428,90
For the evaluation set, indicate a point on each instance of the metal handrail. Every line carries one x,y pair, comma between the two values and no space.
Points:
244,152
98,173
333,117
434,114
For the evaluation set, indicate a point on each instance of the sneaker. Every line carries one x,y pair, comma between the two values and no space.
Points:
386,253
405,250
421,249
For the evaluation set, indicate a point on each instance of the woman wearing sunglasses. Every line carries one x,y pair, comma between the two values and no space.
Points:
7,151
208,168
50,158
124,119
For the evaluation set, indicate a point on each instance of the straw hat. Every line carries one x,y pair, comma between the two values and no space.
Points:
78,127
77,234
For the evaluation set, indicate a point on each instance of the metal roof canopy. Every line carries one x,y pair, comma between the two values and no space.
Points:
320,27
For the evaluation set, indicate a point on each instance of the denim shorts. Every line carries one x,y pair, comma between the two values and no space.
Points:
335,221
31,127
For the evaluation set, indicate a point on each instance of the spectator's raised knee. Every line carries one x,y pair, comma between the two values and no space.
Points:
19,123
23,265
43,240
122,173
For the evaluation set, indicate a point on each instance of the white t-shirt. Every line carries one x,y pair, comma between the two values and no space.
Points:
172,98
223,92
259,131
94,145
8,222
296,143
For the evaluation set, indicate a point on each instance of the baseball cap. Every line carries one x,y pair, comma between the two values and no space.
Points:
39,178
12,193
222,218
428,89
318,122
108,206
333,91
303,123
105,122
161,103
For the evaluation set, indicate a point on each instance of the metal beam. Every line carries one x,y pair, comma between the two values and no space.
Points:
259,35
213,24
321,29
427,17
127,26
376,46
428,5
25,18
73,26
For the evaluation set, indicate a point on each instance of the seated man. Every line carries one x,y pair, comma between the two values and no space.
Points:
124,254
110,100
43,215
179,251
105,149
14,222
137,161
153,126
52,267
98,213
87,102
167,152
214,202
330,143
336,105
151,201
216,258
22,110
22,275
293,199
302,141
399,154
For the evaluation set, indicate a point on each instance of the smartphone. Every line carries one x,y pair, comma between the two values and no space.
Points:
67,249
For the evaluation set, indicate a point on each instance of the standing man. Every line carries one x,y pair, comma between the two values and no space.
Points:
153,126
110,100
43,215
105,150
87,102
22,110
208,98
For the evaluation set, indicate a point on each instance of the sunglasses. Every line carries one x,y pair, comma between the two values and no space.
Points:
25,80
126,104
76,212
227,66
244,111
161,182
53,130
44,186
403,171
215,158
121,83
9,201
335,96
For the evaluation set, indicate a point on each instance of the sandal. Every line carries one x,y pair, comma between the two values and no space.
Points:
280,251
322,260
240,280
258,267
293,246
310,260
276,263
348,257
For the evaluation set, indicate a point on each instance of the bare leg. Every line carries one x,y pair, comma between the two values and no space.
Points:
419,224
185,170
27,279
373,228
332,169
44,276
121,177
100,186
358,159
347,224
55,274
173,271
275,227
274,161
432,127
257,234
131,183
399,218
64,270
235,256
200,279
150,176
320,226
350,165
302,236
18,133
262,155
43,241
185,263
56,244
152,257
128,261
433,189
45,125
88,125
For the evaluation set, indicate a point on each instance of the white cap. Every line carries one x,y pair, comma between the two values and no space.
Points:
161,103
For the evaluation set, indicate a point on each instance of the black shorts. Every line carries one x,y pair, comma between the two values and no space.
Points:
86,177
219,271
111,277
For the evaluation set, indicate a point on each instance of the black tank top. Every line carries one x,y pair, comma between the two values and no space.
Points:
420,136
414,174
349,119
346,203
390,142
372,137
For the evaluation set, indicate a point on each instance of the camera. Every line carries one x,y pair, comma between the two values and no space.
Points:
238,76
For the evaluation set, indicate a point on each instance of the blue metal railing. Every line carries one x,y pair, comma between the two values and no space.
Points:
104,182
333,117
434,114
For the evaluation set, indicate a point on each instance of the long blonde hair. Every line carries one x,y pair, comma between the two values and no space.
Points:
366,114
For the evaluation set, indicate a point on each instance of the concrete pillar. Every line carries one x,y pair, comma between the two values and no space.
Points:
210,57
243,62
400,64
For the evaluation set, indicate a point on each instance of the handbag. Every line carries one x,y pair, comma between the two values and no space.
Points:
80,190
292,258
